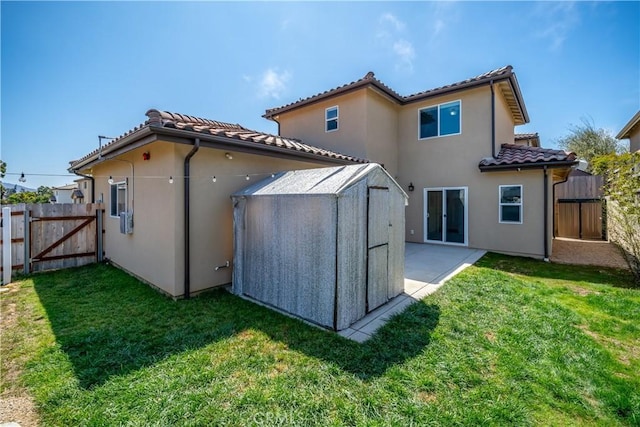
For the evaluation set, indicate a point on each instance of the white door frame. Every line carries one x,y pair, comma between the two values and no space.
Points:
444,218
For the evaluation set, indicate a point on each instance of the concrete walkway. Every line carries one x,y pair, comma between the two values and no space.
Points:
426,268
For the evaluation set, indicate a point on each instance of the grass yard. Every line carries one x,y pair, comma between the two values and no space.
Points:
508,341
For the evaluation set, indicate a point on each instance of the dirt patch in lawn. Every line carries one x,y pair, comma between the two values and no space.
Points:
587,252
16,404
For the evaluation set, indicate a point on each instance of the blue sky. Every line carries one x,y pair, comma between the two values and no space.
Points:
75,70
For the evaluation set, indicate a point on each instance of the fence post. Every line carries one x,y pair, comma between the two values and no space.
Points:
6,245
99,235
27,240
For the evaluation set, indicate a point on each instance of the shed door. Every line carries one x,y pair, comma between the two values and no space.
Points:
377,247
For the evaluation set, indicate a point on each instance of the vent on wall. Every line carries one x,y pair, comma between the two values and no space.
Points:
126,222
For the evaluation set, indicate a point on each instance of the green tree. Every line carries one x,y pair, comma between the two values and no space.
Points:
588,142
41,195
3,170
621,174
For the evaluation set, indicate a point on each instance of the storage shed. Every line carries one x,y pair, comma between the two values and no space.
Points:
326,245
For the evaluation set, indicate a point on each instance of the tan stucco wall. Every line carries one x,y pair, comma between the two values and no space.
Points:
150,252
452,161
382,132
155,250
309,124
367,127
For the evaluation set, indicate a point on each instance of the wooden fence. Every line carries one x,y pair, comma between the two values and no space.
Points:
52,236
579,207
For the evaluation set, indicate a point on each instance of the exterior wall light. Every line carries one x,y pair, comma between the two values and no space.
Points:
170,180
22,178
411,187
228,156
110,180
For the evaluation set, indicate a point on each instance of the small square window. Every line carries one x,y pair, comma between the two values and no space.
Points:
331,119
510,204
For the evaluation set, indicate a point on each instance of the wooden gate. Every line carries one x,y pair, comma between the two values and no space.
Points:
54,236
579,207
580,219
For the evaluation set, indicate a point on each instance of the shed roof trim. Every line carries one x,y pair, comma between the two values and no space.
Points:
511,91
322,181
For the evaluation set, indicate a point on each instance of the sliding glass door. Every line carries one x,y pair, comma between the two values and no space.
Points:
445,215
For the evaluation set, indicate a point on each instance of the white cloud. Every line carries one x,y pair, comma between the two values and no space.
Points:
273,83
405,52
438,26
392,34
397,24
556,20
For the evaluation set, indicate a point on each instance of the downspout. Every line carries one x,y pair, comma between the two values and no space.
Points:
553,194
187,257
546,214
493,120
93,184
278,125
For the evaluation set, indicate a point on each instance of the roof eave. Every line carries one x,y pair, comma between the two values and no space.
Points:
222,142
626,130
271,114
102,155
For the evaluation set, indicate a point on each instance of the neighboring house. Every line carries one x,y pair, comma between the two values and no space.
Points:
64,193
84,192
166,186
471,180
631,131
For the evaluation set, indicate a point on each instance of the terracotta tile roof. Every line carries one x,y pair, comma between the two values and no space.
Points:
502,72
237,132
221,131
531,138
523,136
369,79
513,155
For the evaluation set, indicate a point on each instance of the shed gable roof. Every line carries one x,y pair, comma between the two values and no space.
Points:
510,90
213,130
513,156
331,180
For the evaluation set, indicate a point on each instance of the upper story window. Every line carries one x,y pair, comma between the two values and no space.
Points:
510,203
118,202
440,120
331,119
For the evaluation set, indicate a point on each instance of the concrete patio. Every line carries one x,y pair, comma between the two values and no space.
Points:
427,268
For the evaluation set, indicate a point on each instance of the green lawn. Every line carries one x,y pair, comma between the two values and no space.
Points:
508,341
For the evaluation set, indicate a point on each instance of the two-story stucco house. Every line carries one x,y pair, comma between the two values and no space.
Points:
471,179
166,184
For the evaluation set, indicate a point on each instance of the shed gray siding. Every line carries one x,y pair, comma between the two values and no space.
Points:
301,243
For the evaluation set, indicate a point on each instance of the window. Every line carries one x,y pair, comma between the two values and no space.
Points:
440,120
510,204
118,202
85,185
331,119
